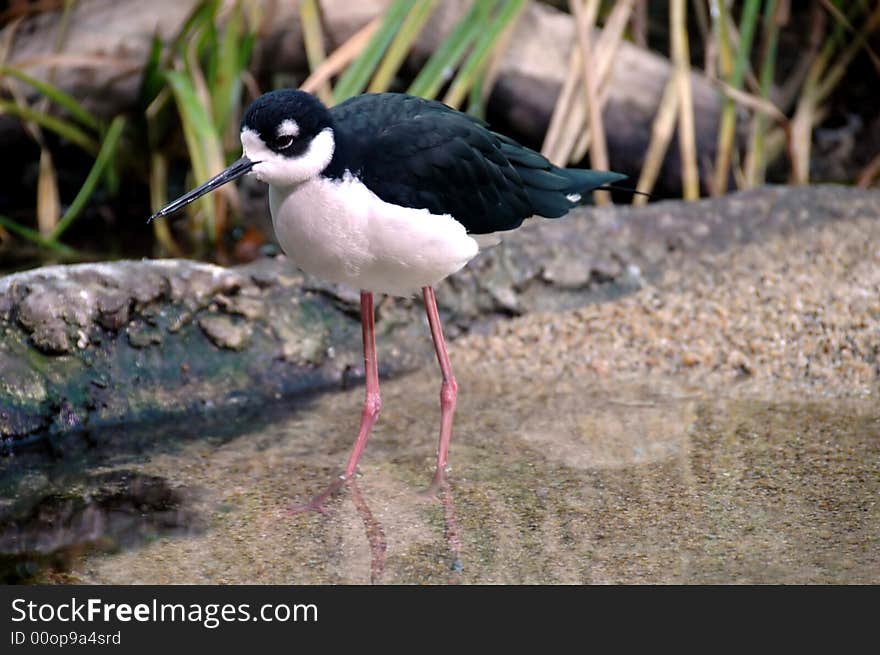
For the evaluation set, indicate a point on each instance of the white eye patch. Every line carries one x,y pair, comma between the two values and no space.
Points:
276,169
288,127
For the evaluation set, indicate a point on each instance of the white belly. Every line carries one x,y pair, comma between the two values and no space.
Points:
344,233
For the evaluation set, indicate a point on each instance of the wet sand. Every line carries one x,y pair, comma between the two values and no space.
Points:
561,484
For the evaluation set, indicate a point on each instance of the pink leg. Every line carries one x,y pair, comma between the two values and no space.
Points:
372,405
372,401
449,388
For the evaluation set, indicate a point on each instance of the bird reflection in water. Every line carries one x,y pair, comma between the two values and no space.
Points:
450,527
375,533
440,491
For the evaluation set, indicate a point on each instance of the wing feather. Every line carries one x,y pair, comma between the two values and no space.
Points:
441,161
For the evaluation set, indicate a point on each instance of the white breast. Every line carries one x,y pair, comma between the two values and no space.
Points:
342,232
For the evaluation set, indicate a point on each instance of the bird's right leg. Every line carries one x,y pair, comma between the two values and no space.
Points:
372,406
372,400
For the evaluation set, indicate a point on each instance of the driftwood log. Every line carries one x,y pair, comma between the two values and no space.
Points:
106,44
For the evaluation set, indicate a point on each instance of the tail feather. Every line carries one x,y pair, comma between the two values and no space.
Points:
583,180
552,202
549,204
546,180
552,191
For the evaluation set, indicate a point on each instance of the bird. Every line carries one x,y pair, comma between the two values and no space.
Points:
388,193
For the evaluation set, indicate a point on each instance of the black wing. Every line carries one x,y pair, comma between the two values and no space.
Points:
422,154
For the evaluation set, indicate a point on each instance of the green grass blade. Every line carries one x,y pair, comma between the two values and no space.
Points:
246,48
152,81
756,162
56,95
204,12
313,39
62,128
158,199
440,66
746,33
226,86
836,71
104,158
355,78
206,55
35,237
199,130
722,36
112,173
412,25
197,127
727,126
479,57
202,139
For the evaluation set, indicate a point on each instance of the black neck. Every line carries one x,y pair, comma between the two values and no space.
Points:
344,155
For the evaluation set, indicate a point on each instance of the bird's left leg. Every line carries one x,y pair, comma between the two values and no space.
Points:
449,388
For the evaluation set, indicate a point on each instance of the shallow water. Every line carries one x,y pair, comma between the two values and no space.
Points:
554,482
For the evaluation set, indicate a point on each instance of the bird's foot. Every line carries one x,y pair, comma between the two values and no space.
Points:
438,486
318,504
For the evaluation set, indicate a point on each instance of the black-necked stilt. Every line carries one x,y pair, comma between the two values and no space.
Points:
389,193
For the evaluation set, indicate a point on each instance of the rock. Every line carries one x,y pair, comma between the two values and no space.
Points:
143,336
224,332
113,308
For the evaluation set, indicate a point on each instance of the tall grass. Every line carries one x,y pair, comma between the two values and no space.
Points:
80,128
192,95
201,75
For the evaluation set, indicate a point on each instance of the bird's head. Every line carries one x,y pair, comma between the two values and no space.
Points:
286,138
288,135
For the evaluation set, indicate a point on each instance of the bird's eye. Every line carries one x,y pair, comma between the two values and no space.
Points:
283,141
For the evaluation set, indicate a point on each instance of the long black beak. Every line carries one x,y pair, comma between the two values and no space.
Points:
233,172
